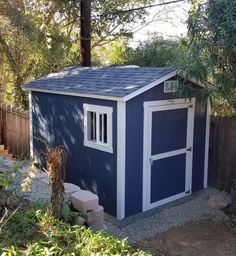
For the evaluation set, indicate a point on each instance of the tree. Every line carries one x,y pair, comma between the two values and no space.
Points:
212,47
27,49
39,36
155,52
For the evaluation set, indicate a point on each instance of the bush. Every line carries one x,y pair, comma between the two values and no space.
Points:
33,232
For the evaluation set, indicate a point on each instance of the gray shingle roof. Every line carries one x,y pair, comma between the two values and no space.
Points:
106,81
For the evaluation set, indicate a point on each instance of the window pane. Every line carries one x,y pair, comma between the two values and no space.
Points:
100,127
91,126
105,128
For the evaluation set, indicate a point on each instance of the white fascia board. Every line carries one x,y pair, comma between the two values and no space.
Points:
150,86
94,96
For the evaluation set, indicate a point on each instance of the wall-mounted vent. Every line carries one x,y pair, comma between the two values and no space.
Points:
171,86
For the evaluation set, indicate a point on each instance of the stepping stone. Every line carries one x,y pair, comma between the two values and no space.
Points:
70,188
95,218
84,200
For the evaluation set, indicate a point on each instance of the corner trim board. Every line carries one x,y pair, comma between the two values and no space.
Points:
121,148
31,125
207,143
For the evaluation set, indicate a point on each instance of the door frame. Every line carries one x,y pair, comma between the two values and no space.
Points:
147,129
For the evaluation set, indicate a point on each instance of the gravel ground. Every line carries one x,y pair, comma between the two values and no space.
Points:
194,209
39,190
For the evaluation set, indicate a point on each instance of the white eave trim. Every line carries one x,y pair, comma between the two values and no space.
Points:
150,86
94,96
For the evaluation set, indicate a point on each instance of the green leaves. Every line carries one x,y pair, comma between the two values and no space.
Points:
212,47
155,52
32,232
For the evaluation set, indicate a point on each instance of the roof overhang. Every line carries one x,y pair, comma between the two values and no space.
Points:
125,98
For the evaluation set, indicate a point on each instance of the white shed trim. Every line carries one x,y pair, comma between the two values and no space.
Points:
149,86
121,148
93,96
31,126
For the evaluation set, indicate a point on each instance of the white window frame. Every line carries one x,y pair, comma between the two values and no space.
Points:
107,147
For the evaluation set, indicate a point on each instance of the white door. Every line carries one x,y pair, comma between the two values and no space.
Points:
168,150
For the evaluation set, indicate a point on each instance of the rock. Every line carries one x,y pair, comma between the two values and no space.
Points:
79,221
84,200
70,188
95,218
221,200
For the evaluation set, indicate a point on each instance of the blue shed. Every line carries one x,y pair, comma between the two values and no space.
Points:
130,138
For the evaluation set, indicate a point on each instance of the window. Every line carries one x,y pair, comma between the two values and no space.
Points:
98,127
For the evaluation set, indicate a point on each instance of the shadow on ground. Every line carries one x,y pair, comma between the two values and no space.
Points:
206,238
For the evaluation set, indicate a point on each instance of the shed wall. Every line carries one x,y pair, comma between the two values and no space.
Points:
134,146
59,120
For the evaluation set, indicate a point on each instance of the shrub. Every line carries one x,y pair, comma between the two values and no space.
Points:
33,232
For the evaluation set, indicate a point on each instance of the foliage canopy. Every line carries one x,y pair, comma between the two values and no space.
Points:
212,47
38,37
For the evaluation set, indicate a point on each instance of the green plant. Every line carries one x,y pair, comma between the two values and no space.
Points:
211,49
33,232
70,216
7,176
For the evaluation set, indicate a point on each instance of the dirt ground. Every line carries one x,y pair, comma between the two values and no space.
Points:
206,238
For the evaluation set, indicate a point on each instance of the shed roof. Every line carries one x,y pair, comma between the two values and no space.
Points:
117,82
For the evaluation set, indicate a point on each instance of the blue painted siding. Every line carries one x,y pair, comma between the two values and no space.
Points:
134,146
59,120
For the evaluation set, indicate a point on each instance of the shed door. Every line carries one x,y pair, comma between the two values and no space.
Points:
168,143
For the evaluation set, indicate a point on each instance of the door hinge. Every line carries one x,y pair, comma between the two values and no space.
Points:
189,149
190,106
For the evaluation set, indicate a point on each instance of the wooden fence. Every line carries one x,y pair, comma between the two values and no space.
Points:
222,152
14,130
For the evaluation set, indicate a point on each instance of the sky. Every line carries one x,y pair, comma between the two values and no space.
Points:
168,21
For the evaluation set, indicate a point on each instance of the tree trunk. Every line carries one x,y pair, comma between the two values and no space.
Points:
85,33
55,161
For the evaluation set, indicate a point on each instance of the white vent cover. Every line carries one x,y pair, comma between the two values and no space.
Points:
171,86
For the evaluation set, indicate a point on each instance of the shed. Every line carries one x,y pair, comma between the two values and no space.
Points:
129,136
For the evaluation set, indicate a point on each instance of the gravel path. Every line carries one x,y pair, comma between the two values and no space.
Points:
194,209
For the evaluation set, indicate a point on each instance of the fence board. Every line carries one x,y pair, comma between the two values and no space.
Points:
14,130
222,152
